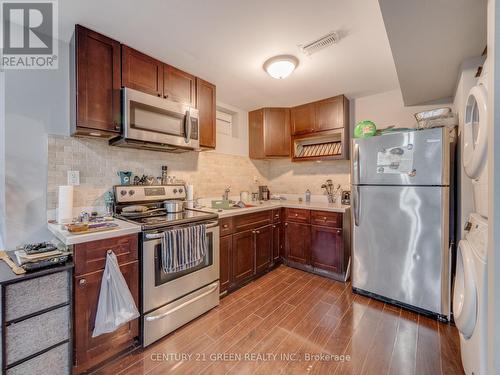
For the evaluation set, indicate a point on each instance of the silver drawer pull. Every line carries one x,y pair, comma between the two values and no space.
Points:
182,305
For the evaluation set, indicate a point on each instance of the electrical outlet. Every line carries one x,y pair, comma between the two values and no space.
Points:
74,178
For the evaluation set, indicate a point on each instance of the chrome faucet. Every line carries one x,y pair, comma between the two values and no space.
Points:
226,193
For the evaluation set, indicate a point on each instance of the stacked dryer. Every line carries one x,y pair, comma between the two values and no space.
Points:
470,288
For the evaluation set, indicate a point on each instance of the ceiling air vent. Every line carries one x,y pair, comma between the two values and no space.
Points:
318,44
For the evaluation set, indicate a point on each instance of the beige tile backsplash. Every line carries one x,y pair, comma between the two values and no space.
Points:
209,172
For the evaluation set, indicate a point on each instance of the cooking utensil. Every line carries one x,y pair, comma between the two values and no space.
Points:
14,267
172,206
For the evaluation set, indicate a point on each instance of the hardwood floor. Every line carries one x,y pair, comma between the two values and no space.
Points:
300,323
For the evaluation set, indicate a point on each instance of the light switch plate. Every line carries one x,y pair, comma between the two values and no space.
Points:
74,178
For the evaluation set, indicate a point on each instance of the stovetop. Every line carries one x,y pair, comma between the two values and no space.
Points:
162,219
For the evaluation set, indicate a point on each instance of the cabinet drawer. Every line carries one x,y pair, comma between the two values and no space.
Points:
23,298
35,334
54,362
276,215
326,218
297,215
252,221
226,226
91,256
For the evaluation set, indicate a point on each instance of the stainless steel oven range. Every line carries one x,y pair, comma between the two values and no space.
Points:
169,300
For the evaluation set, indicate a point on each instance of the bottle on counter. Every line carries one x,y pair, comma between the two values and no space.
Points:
308,196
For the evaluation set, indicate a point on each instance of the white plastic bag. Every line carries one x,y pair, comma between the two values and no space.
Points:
116,305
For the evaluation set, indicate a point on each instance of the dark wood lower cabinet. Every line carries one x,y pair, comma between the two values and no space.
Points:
263,248
297,242
243,256
277,242
91,351
327,251
225,249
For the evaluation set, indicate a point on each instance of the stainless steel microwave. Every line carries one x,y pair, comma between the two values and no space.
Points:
154,123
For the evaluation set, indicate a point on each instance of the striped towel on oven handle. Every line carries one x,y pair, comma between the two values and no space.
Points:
183,248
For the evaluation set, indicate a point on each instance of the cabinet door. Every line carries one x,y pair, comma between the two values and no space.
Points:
256,134
327,250
141,72
330,114
263,247
243,256
303,119
97,86
297,242
277,242
178,85
205,99
90,351
277,132
225,250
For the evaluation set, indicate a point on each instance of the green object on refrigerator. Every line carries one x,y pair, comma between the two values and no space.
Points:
365,128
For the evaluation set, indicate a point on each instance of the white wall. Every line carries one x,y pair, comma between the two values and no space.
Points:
387,108
36,104
493,27
237,142
2,160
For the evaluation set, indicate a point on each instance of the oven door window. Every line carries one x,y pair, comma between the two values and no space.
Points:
161,277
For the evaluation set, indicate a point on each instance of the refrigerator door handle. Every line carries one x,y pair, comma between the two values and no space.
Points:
355,163
355,203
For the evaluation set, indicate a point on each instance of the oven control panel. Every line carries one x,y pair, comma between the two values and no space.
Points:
139,193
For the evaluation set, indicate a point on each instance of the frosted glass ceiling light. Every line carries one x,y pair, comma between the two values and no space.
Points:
280,67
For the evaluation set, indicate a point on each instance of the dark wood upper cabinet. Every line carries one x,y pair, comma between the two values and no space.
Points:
255,134
303,118
225,248
243,256
141,72
330,113
206,103
178,85
95,84
297,242
327,248
263,248
269,133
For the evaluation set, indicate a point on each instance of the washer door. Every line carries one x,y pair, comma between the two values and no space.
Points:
465,292
475,142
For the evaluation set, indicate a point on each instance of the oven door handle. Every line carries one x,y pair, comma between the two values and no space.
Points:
182,305
155,236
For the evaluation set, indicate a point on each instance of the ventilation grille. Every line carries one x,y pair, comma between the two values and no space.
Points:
323,149
318,44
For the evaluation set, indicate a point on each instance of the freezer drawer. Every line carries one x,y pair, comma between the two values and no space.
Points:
401,244
405,158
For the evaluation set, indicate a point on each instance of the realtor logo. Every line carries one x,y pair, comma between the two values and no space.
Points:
28,34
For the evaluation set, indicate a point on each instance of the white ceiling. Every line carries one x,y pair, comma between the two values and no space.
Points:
430,39
227,41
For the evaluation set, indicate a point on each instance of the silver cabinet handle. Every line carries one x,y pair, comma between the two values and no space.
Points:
286,224
182,305
82,282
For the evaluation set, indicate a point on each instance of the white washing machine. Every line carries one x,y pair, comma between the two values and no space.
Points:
475,141
470,295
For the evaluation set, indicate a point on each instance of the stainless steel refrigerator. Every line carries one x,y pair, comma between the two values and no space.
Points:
403,218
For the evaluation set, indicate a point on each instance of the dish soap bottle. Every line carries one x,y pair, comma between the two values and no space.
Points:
308,196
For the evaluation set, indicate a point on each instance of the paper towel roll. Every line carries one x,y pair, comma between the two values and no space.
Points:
189,192
65,204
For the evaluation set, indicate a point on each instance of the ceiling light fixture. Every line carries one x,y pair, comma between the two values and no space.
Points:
280,67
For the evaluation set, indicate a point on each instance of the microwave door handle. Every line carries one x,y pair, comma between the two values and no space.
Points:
187,126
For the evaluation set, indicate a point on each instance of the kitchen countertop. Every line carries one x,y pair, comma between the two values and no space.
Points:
267,205
72,239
